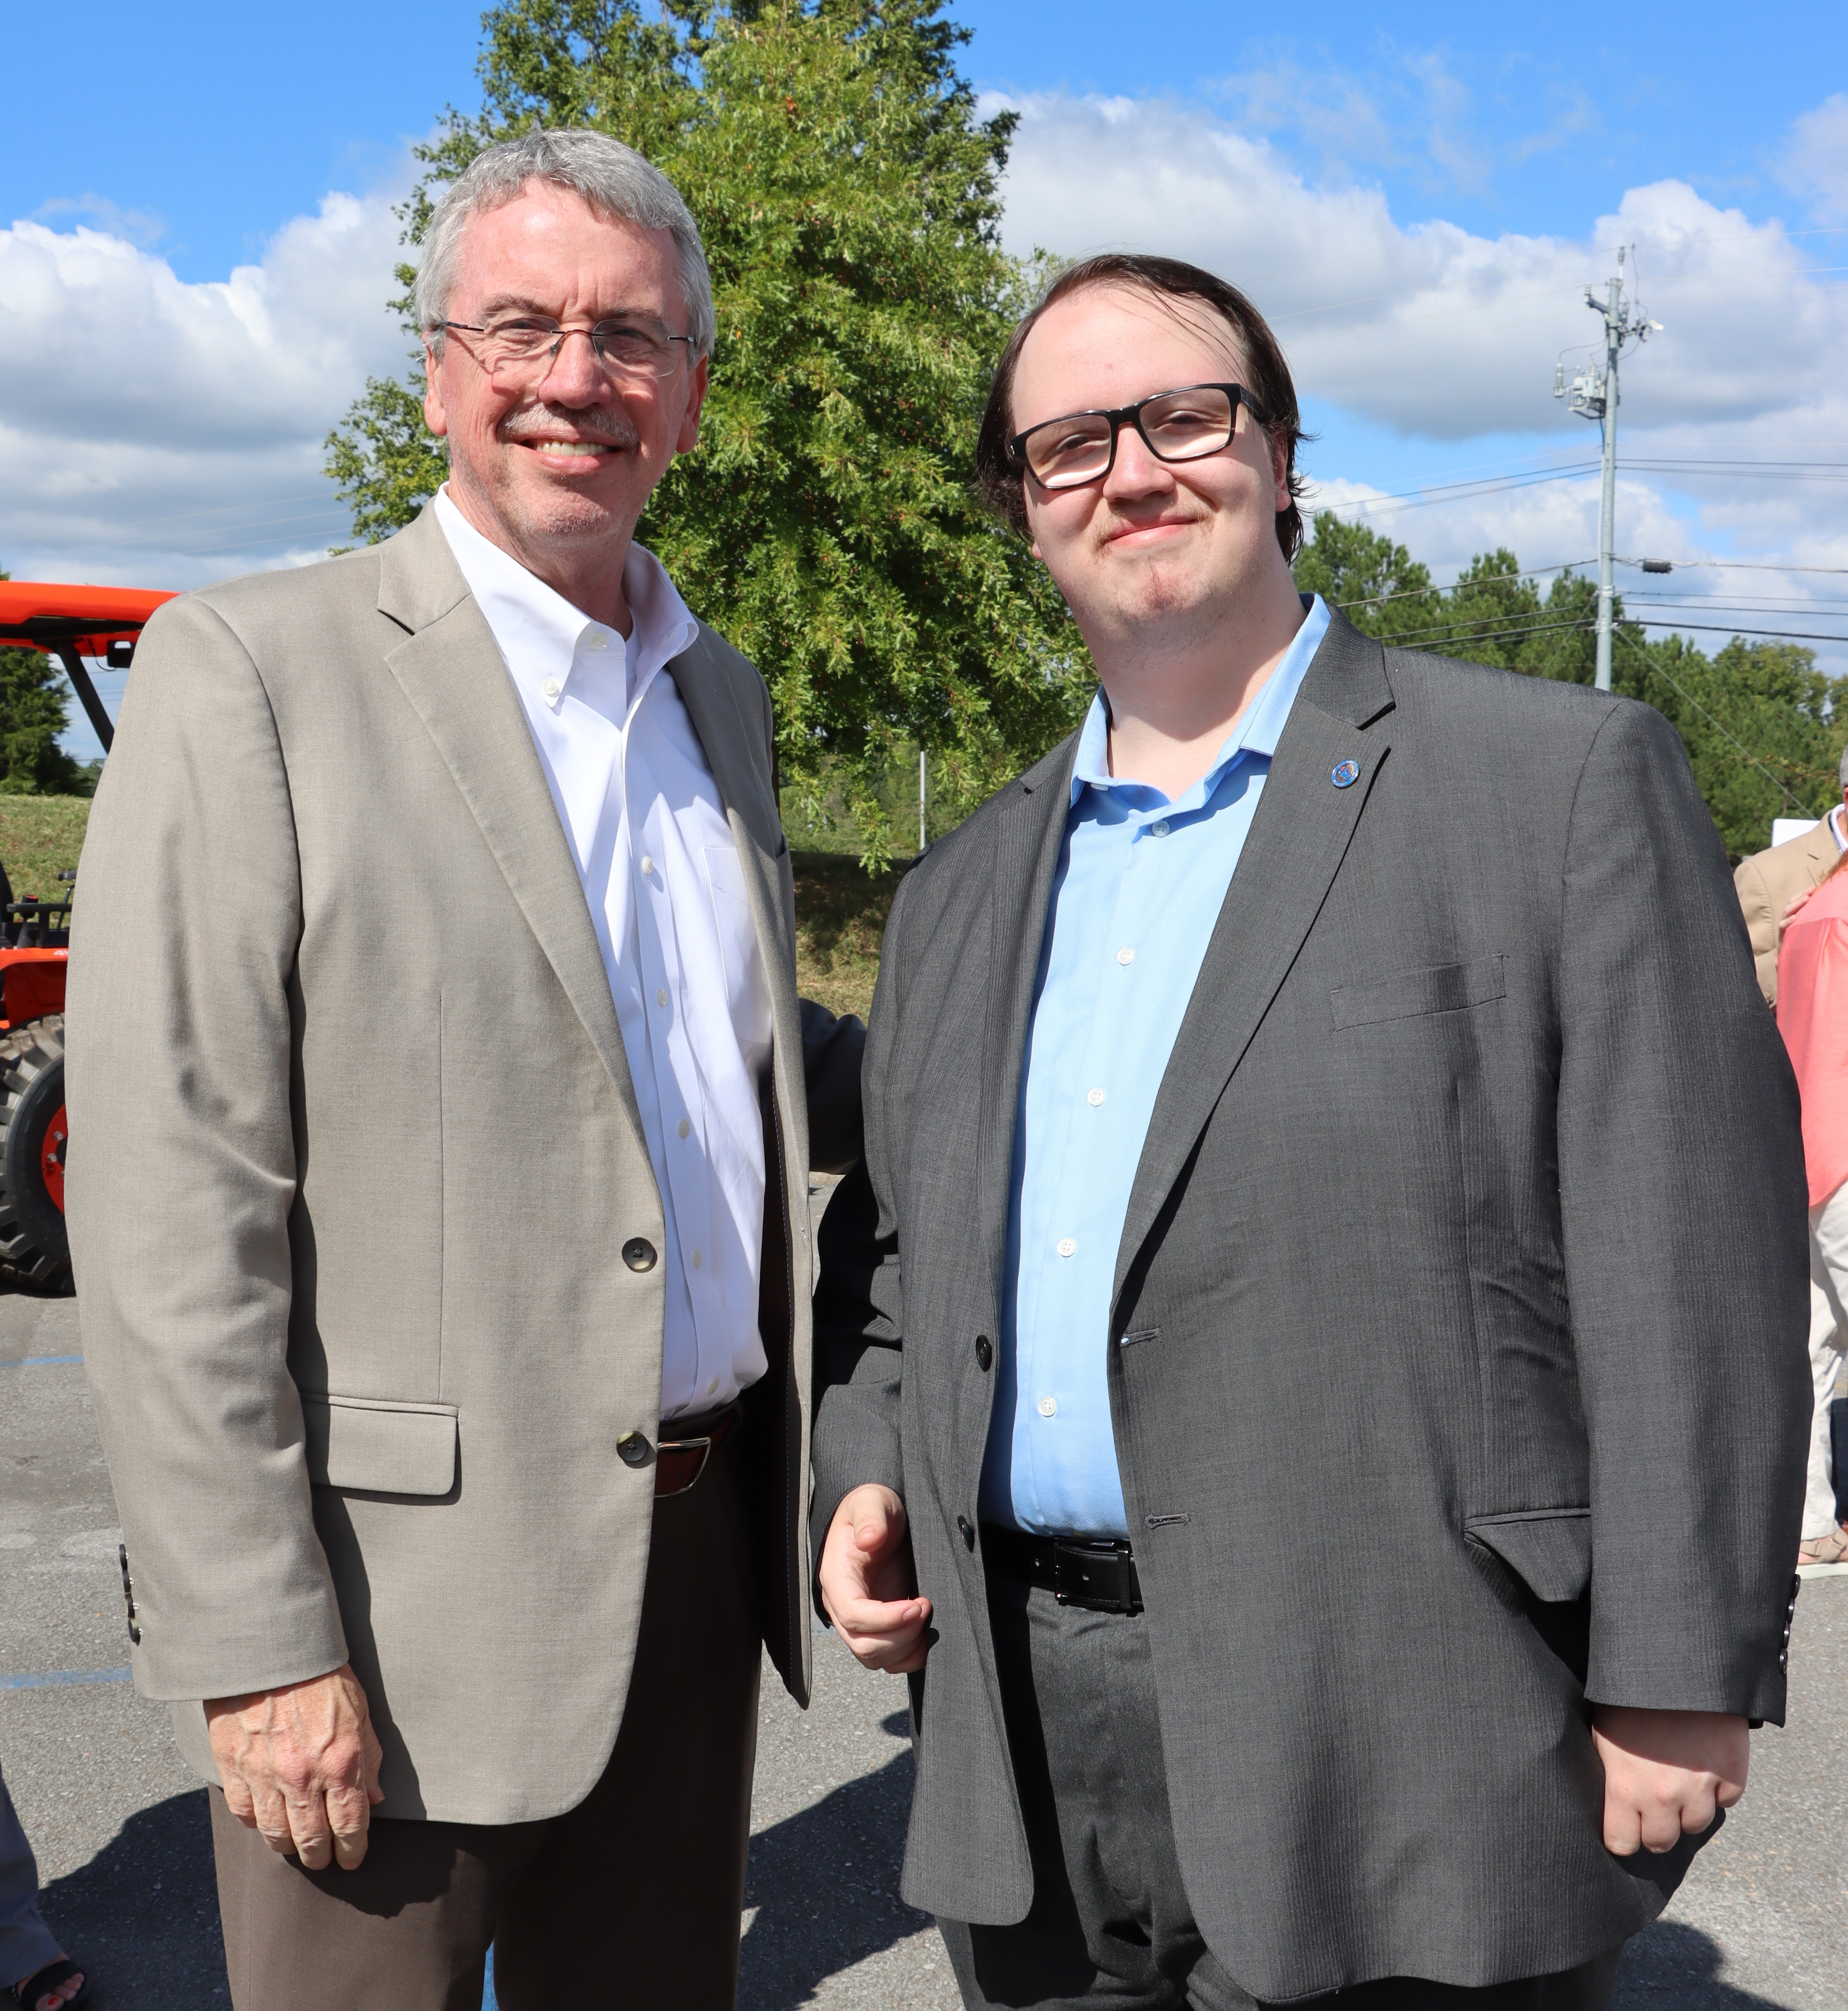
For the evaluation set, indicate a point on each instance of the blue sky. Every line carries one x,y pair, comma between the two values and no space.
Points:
192,288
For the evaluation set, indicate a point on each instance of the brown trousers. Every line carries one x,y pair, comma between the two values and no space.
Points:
633,1897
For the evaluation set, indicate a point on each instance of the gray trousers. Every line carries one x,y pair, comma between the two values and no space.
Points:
1110,1928
633,1897
27,1944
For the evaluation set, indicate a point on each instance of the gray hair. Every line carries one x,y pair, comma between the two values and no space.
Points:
614,181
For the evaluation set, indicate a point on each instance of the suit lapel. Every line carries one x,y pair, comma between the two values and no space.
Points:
1295,845
1030,834
450,670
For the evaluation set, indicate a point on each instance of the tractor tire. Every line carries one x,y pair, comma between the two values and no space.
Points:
35,1245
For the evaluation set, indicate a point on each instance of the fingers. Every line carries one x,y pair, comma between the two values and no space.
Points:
349,1816
881,1634
310,1833
877,1518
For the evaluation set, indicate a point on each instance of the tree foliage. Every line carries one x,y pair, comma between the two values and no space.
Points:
32,715
826,523
1763,727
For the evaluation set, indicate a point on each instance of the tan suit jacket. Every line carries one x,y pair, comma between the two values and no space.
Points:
356,1155
1769,882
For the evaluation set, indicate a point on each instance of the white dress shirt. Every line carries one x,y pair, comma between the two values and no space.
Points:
661,873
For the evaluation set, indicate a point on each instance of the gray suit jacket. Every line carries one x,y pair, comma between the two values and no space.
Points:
1457,1354
355,1151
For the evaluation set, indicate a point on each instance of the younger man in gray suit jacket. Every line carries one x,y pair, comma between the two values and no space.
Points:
1312,1372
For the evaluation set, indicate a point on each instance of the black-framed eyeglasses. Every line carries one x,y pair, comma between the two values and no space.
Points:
1187,425
630,348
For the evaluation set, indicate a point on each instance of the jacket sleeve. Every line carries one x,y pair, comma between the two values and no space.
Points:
182,1170
1684,1210
831,1051
860,1319
1761,924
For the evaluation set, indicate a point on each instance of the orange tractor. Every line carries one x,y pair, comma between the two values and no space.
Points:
68,623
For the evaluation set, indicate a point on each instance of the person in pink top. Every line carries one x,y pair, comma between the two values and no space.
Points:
1813,1018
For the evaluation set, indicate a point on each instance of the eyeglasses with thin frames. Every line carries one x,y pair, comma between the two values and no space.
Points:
516,343
1080,447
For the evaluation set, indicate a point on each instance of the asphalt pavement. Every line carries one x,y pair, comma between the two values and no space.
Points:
120,1827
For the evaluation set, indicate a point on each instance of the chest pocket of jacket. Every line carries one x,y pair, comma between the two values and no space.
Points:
1406,994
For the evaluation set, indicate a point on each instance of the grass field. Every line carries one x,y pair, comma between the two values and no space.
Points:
40,838
840,913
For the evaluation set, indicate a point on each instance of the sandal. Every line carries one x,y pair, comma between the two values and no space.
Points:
30,1989
1831,1549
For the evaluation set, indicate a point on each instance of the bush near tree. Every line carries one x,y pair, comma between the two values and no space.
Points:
32,715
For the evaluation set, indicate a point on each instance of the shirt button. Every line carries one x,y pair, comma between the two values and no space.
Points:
1126,956
647,866
660,995
1049,1407
1094,1098
696,1260
685,1128
596,639
550,688
1160,828
1066,1245
712,1387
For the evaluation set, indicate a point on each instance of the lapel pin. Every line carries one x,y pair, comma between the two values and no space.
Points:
1349,771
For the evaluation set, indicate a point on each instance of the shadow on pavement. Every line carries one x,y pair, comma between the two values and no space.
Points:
825,1886
142,1915
1672,1964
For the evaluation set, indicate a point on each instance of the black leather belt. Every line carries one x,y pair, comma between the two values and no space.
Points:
1096,1572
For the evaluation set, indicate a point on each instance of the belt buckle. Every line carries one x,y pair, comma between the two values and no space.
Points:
701,1446
1094,1574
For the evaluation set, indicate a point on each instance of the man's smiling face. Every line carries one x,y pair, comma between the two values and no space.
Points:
558,456
1153,538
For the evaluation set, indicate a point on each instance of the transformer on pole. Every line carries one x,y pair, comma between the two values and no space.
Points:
1592,393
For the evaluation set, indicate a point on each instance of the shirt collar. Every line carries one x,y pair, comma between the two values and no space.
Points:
541,634
1258,733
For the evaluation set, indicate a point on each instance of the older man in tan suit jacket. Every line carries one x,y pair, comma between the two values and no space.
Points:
440,1114
1768,881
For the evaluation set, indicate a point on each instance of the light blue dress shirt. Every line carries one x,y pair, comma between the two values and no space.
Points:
1139,888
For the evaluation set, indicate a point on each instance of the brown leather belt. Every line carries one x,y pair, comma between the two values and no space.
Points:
680,1460
1096,1572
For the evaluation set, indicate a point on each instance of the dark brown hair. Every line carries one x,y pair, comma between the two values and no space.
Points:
1000,477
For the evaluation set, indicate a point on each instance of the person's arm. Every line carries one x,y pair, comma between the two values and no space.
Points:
831,1053
1683,1205
864,1580
182,1177
1762,925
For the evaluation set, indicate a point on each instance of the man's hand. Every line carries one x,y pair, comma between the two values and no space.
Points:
1665,1772
301,1764
867,1583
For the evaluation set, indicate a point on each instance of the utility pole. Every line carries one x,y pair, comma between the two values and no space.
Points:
1592,393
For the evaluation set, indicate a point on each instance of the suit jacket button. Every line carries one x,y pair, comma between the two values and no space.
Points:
968,1532
633,1450
984,1350
638,1253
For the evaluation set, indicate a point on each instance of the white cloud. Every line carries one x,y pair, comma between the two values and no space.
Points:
1815,163
161,433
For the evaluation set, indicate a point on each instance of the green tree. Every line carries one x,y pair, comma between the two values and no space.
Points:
848,197
32,715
